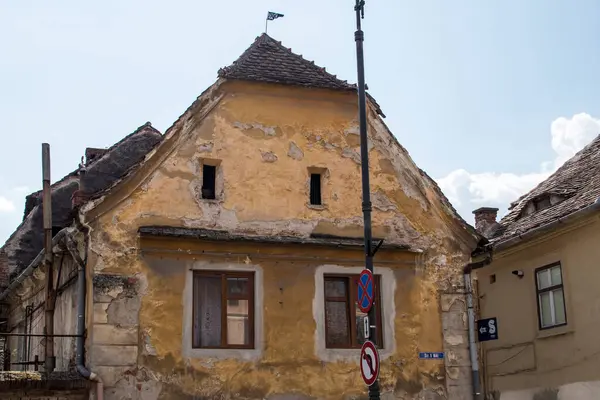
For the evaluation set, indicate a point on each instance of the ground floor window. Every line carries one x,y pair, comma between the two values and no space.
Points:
223,310
343,318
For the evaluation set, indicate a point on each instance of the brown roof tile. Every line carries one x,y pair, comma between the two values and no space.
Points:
577,182
267,60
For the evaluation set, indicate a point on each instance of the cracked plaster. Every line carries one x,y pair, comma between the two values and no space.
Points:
270,198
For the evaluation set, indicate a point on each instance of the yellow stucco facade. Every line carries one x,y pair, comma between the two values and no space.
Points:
530,360
265,139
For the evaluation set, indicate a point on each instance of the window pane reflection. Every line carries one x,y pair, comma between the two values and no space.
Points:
237,286
335,288
238,327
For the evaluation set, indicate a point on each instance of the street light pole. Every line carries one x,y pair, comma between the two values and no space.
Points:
364,157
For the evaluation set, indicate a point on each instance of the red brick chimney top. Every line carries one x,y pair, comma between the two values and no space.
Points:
484,217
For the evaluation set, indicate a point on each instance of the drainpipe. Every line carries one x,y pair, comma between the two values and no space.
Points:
79,359
81,293
471,321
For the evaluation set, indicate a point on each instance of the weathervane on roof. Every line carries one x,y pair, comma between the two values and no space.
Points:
270,17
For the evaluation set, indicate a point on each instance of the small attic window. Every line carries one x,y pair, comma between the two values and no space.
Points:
542,203
315,189
209,181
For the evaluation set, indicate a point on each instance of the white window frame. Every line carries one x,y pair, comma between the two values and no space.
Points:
388,313
551,289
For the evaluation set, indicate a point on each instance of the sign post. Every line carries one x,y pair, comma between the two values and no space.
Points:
487,329
359,37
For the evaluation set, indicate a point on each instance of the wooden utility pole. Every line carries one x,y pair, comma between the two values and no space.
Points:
50,360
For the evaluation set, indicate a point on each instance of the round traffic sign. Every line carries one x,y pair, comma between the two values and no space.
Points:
369,362
366,290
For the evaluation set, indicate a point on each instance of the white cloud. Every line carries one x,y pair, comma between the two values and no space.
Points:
462,187
468,191
6,205
571,135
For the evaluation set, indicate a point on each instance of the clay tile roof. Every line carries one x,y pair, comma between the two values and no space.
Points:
577,182
267,60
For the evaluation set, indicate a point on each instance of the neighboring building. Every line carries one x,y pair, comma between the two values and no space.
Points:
21,256
542,286
223,264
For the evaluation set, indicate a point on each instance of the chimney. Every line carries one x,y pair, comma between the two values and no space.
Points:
484,218
92,154
80,196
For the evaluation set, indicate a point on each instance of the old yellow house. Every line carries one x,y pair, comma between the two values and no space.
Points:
223,264
542,286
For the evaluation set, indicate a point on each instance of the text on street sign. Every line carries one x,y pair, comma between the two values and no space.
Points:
487,329
429,355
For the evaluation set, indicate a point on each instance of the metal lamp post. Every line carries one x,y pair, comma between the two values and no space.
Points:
374,391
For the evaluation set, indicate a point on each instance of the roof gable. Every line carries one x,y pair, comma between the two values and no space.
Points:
575,185
267,60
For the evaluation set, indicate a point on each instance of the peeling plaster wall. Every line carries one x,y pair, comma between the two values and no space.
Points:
265,139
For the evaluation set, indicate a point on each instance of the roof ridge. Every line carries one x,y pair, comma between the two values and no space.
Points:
577,180
268,60
140,128
537,191
36,196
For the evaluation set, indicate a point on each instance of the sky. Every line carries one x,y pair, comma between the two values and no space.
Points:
489,97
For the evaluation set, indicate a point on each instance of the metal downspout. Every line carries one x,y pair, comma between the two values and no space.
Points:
471,322
81,294
80,342
472,344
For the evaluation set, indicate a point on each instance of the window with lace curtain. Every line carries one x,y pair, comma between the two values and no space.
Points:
223,310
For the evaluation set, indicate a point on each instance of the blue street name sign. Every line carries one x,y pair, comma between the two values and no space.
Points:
424,355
